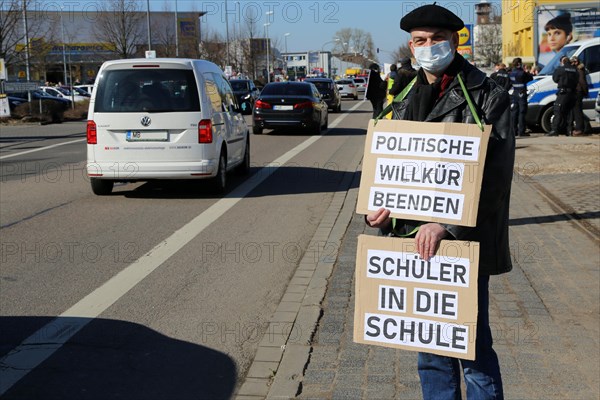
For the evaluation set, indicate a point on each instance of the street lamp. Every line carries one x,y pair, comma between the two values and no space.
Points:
227,33
268,45
285,36
176,31
62,28
148,24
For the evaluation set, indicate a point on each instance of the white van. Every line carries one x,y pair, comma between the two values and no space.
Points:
541,92
164,119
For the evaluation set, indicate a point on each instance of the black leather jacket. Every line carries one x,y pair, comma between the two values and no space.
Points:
492,103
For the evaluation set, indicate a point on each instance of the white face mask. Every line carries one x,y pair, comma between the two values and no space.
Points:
435,58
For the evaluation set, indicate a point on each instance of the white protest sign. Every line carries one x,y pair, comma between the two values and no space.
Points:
405,302
423,171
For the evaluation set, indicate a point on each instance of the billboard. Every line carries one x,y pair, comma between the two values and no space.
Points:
560,25
465,42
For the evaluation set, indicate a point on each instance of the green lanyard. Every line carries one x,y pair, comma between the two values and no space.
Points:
470,102
397,99
406,234
407,89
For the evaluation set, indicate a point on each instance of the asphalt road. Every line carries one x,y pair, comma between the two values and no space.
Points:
161,290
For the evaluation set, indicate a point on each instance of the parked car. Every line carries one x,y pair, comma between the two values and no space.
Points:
88,88
168,118
78,91
62,93
347,88
245,92
39,95
329,91
361,84
290,104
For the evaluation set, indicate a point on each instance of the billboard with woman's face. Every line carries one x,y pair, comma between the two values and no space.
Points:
559,26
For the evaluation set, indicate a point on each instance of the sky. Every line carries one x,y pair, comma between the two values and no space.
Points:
311,24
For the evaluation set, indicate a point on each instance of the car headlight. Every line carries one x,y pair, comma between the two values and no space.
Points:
530,92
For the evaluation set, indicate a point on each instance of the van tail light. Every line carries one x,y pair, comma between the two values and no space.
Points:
303,105
92,136
351,85
262,104
205,131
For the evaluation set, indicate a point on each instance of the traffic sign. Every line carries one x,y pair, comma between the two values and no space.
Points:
20,86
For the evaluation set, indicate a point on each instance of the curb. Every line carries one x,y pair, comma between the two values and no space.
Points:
277,369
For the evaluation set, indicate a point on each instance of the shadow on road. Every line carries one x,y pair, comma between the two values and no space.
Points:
286,180
111,359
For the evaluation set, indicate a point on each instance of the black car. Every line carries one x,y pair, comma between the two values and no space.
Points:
39,95
246,93
290,104
330,92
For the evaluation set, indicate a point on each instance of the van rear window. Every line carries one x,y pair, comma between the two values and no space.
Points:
147,90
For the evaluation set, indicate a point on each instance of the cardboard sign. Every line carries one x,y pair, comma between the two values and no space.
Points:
425,171
405,302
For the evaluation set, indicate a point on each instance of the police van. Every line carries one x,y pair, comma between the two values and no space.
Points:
541,92
161,118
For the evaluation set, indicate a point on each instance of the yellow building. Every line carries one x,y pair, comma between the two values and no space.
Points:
523,22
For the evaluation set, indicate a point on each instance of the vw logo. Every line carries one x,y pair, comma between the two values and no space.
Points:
146,121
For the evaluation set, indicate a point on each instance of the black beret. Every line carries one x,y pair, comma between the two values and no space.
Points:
431,15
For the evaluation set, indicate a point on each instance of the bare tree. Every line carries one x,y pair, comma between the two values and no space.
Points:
12,31
163,33
488,44
119,25
402,52
354,40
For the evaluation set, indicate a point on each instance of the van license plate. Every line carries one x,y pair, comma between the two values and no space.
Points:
147,136
283,108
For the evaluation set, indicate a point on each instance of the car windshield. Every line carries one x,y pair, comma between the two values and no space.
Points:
150,90
555,62
282,89
239,86
359,80
322,85
344,82
64,91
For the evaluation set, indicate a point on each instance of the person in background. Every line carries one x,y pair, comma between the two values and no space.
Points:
376,90
581,92
391,77
566,77
500,76
518,79
406,73
437,97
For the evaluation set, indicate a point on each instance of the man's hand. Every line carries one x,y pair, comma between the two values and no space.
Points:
379,219
428,239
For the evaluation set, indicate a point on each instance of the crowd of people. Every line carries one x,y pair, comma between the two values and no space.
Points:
570,78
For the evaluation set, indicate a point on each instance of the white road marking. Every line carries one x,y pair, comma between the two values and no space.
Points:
43,343
40,149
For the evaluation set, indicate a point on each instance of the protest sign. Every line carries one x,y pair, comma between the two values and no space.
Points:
423,171
405,302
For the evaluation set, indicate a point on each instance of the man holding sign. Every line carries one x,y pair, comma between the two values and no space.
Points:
436,96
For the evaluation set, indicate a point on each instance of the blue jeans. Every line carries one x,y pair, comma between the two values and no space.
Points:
440,376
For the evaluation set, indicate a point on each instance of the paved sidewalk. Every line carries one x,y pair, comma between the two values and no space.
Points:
544,313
